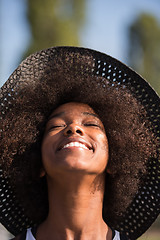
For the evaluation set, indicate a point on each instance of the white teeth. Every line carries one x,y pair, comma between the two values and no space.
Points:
75,144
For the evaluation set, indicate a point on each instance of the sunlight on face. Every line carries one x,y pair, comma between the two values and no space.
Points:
74,140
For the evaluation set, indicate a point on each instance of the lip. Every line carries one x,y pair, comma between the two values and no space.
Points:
80,140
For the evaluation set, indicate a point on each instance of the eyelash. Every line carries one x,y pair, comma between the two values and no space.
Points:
85,124
92,124
56,126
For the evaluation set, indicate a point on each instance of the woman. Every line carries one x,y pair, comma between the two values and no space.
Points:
79,137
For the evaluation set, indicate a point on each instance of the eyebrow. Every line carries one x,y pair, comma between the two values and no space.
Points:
61,113
90,114
55,115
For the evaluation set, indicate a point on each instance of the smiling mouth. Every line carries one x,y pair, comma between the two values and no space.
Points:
76,145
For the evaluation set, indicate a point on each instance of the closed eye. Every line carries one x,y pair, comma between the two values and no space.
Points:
92,125
55,127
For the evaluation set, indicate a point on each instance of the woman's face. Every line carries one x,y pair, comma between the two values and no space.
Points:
74,140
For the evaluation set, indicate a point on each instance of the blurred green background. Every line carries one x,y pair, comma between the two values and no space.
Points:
127,30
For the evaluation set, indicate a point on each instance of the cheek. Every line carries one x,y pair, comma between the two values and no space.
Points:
104,143
48,143
105,149
47,150
103,153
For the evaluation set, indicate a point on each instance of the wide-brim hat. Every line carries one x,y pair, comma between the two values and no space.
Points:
37,75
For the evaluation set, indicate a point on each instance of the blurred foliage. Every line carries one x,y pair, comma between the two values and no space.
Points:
54,23
144,48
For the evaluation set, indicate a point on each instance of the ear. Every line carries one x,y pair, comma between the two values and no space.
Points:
42,172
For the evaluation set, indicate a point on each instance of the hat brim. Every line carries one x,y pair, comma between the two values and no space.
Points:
115,73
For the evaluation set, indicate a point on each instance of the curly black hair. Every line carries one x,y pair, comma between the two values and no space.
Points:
131,141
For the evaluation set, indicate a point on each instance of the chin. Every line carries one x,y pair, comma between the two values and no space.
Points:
72,163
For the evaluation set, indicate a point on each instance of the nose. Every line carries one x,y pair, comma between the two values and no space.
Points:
73,129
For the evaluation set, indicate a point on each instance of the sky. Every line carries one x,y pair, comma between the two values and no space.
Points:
105,29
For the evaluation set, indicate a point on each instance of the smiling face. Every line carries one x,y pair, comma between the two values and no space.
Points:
74,140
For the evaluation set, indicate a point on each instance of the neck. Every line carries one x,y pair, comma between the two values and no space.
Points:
75,208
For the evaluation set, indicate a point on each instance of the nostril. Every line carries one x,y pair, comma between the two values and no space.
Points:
69,131
72,131
78,131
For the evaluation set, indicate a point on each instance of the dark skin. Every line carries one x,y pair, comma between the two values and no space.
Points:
74,155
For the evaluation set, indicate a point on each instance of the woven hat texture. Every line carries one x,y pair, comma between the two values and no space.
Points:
110,73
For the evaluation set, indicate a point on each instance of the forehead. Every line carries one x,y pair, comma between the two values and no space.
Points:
74,109
73,106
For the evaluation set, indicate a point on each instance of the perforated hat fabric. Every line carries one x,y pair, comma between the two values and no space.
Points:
108,73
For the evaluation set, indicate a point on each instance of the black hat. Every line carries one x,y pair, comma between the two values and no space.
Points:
42,82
